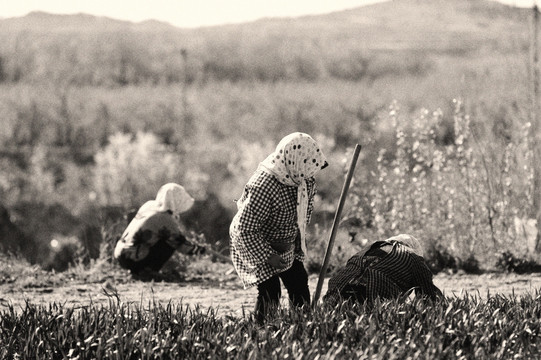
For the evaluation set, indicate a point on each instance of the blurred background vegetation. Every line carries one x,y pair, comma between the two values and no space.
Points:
97,114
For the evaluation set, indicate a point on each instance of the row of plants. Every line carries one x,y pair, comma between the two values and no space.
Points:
463,327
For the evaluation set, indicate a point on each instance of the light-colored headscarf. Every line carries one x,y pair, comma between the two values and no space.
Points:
411,242
297,157
173,197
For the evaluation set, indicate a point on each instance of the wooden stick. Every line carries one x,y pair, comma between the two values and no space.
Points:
335,224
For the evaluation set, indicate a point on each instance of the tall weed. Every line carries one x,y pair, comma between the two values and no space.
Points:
462,195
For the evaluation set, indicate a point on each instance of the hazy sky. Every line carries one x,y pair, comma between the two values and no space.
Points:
190,13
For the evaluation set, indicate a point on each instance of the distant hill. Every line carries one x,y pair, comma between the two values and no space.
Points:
343,44
400,20
43,22
408,24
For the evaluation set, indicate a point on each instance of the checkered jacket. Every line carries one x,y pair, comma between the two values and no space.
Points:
266,223
385,274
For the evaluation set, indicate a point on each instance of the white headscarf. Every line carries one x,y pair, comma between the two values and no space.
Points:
297,157
173,197
410,242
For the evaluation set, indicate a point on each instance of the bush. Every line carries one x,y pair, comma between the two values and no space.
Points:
438,259
65,252
129,171
470,265
463,194
350,67
510,263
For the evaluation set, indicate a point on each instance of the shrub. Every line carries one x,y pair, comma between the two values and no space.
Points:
463,193
510,263
470,265
65,252
352,67
438,259
129,171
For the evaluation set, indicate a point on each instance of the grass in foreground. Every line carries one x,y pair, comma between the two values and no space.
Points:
463,328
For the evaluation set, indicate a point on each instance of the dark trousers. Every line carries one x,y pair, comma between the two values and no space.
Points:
158,255
295,281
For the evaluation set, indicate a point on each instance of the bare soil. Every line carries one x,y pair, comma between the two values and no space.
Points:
210,285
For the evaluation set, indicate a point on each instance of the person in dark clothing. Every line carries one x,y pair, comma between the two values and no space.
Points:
386,269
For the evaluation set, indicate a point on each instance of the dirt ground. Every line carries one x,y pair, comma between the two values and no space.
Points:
217,286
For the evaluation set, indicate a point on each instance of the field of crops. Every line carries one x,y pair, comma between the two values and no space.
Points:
102,312
97,114
464,327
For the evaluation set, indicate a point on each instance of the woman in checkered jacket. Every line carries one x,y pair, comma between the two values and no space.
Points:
268,232
384,269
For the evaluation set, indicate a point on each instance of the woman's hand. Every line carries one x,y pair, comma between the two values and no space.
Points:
277,262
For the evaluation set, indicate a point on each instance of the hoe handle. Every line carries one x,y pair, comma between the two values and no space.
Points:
335,224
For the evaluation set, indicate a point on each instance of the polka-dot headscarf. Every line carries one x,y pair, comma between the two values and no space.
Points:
296,158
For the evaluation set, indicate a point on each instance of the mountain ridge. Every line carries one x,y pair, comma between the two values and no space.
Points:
368,15
41,21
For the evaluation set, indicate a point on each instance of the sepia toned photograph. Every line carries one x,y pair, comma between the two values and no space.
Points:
346,179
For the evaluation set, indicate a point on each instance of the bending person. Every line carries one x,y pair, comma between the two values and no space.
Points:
268,231
385,269
154,234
